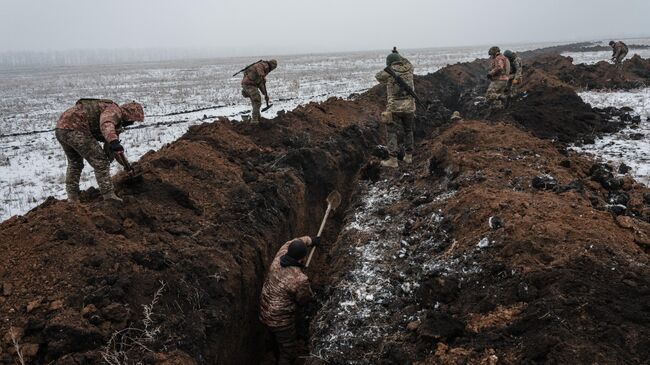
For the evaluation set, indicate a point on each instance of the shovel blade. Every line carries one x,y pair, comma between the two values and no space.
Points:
334,200
267,107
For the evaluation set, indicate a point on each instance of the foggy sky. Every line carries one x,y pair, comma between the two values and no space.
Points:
249,27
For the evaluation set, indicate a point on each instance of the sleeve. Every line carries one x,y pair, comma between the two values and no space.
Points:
108,120
303,292
283,250
494,68
382,76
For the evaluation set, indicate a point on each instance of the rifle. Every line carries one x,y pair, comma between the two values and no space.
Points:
246,68
404,86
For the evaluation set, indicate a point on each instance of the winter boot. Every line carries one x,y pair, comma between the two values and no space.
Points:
111,197
391,162
408,158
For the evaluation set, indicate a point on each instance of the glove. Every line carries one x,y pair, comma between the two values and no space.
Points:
116,146
315,241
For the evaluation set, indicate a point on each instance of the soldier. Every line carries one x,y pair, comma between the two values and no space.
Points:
286,287
80,128
498,76
254,81
619,51
516,73
400,110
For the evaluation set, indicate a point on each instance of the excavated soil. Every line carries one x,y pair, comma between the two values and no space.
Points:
172,276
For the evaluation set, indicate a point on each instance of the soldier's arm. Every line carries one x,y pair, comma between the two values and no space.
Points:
382,76
108,121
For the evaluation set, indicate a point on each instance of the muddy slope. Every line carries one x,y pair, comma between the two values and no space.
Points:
193,239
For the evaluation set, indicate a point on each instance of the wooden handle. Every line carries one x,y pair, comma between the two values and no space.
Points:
320,230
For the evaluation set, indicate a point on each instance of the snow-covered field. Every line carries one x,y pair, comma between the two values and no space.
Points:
631,145
183,93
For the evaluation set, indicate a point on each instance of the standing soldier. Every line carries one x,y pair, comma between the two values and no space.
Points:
254,81
79,130
516,73
286,287
498,76
400,110
619,51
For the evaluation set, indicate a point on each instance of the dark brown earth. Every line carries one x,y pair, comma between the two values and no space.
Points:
212,208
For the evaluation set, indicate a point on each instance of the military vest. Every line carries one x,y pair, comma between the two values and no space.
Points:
93,113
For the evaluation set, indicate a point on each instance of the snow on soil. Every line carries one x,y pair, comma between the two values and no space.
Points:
366,308
181,93
632,144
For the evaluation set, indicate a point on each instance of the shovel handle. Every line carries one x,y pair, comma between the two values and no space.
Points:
320,230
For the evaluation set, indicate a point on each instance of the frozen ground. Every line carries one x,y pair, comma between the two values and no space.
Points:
32,166
631,145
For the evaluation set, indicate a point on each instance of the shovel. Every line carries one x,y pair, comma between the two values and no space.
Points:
333,202
131,175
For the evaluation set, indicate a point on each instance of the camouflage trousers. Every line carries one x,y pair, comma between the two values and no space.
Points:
254,94
497,93
79,147
394,123
286,344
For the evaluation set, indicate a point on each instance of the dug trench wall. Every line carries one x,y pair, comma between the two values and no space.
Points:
179,266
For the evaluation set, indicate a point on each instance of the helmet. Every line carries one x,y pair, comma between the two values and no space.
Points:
494,51
132,112
392,58
508,53
272,64
456,115
611,43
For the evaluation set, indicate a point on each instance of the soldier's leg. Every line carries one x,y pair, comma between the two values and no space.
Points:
391,133
256,102
287,343
92,152
75,165
408,121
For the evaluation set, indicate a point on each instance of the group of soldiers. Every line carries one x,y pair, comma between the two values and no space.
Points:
89,121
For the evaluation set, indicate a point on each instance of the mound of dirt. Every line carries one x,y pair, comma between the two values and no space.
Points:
464,259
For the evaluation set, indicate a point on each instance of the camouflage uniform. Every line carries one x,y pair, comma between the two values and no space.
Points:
516,73
284,289
80,128
255,80
400,110
619,52
498,74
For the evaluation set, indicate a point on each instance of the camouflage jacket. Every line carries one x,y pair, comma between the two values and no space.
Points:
516,70
96,117
499,68
256,75
284,289
398,100
619,48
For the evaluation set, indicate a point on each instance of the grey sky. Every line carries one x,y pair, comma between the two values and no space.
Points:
247,27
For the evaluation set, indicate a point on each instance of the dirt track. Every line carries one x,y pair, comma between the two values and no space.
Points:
214,206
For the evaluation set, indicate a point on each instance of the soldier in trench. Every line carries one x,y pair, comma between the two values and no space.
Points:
79,131
400,109
516,74
285,289
253,82
498,75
